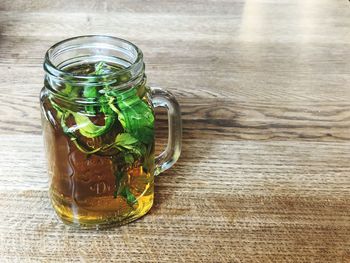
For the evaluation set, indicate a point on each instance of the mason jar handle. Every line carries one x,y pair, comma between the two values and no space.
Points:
164,99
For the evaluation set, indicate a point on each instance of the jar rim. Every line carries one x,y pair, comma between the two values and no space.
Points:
56,72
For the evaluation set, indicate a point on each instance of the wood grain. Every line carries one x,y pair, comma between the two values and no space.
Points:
260,201
264,174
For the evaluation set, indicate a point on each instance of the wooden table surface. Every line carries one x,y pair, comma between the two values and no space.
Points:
264,87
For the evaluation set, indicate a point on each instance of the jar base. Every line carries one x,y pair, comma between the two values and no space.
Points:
77,219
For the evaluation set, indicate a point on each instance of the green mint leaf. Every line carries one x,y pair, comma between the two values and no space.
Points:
125,140
90,92
118,182
98,68
90,110
87,128
129,159
70,91
128,195
138,118
102,68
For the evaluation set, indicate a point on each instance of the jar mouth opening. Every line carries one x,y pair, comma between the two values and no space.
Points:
92,49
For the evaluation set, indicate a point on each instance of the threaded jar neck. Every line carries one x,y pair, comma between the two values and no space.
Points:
108,53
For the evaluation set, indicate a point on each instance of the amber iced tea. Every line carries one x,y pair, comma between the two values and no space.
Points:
100,155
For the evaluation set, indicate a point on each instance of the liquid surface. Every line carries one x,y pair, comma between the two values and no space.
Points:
101,156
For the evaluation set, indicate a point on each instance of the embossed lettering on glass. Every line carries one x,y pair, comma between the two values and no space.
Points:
98,126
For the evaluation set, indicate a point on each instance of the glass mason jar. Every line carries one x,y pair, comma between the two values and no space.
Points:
98,127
